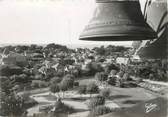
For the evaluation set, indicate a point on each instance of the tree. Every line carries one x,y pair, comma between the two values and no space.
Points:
100,51
68,80
110,67
11,105
63,87
5,84
68,61
93,68
96,67
101,76
8,70
53,46
66,83
33,47
54,88
55,80
21,48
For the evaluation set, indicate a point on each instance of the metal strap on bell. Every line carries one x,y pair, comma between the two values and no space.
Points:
117,20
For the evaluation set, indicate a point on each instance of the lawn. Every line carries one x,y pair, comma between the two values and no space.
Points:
124,97
119,98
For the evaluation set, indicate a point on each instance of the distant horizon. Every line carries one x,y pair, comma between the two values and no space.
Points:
72,46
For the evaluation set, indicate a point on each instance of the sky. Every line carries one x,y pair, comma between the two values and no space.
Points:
46,21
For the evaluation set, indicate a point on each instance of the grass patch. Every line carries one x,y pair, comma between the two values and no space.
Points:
79,99
118,97
44,103
50,97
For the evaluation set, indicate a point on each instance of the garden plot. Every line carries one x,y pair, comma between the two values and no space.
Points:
72,98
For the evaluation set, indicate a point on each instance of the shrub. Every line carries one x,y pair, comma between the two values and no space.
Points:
113,72
45,108
85,72
96,101
50,73
105,93
38,84
63,86
76,84
151,76
60,107
126,77
26,95
68,82
43,84
119,82
34,84
101,76
69,76
82,89
68,61
101,60
120,74
30,103
112,80
60,73
38,77
55,80
99,110
54,88
92,88
16,87
75,72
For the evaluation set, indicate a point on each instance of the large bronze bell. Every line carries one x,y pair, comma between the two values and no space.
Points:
117,20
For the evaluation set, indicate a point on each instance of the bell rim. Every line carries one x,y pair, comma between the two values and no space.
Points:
117,37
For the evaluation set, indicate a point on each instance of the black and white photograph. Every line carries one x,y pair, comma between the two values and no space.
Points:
83,58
